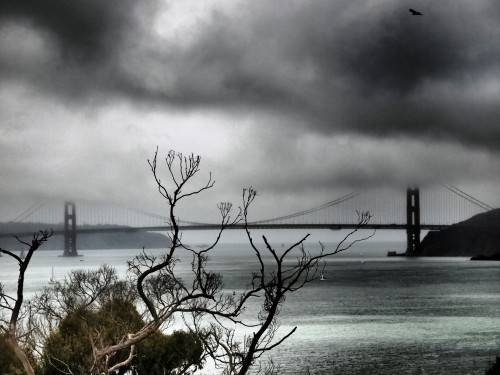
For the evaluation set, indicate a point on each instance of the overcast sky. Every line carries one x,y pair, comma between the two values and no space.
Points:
304,100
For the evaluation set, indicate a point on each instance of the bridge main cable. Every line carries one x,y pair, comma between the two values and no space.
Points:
468,197
29,211
165,219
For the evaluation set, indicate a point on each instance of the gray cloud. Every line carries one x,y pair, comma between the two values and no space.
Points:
86,31
78,44
355,67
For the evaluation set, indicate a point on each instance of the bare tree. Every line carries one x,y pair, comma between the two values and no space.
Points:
205,308
288,271
271,283
9,322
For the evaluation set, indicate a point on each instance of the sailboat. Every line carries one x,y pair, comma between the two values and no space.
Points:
52,278
322,277
22,255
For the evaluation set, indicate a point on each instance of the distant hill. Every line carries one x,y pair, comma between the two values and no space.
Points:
479,235
122,240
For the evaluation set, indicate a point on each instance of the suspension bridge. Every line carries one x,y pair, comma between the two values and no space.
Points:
412,211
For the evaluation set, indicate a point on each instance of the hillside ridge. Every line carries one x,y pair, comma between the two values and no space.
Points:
478,235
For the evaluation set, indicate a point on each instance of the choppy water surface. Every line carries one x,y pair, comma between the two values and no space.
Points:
373,315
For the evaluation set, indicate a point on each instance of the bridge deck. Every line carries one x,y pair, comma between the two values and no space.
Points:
232,227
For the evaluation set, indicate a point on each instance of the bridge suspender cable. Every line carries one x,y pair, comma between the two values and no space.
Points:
165,219
311,210
142,212
468,197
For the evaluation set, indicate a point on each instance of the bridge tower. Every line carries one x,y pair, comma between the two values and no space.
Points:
70,230
412,220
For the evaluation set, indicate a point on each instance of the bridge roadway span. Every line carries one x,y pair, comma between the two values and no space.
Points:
126,229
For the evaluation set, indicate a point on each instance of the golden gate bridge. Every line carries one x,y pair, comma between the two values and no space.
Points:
412,211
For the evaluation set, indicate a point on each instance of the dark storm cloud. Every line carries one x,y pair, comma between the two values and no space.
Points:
391,51
351,66
375,48
80,42
336,66
85,30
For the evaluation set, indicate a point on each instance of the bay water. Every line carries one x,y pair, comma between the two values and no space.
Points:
372,315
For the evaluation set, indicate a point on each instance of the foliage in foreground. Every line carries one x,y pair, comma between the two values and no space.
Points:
69,348
9,363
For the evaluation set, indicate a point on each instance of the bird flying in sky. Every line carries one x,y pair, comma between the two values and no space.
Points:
415,13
